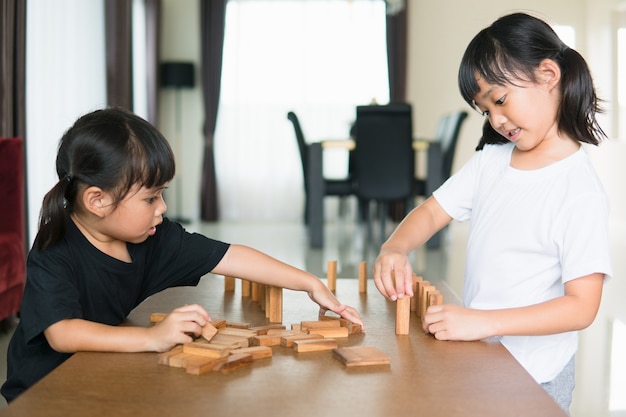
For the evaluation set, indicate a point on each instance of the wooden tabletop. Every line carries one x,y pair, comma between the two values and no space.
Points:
426,377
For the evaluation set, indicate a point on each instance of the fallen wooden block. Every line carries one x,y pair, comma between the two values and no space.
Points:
261,330
218,323
234,331
287,341
231,341
361,356
257,352
205,349
234,362
157,317
180,359
238,324
164,358
330,332
314,345
353,328
266,340
320,324
199,365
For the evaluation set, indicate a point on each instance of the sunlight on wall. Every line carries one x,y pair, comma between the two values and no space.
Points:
617,400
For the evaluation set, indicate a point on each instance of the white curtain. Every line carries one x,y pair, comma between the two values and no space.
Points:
317,58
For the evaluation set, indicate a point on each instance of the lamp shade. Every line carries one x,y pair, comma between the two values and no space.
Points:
177,74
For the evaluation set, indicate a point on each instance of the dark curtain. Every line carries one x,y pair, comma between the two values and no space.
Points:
118,19
153,21
13,82
212,21
12,68
397,54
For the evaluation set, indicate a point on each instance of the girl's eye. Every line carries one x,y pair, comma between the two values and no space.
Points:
151,200
501,100
485,113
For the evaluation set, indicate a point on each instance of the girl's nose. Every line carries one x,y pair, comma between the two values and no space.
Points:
497,119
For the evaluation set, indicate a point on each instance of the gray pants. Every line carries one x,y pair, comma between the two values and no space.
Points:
562,387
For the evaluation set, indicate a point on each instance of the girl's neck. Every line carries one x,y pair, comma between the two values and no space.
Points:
547,153
115,248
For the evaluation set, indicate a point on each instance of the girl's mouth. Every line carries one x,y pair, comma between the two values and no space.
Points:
512,135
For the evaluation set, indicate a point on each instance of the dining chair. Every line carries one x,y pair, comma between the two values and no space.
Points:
331,187
384,159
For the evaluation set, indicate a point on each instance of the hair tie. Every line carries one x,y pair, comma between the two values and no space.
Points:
68,178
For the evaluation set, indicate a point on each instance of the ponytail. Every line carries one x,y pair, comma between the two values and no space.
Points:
55,210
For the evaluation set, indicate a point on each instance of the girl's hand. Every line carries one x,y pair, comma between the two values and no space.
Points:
178,327
327,301
452,322
393,274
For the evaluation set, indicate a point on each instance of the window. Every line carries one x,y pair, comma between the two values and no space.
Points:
318,58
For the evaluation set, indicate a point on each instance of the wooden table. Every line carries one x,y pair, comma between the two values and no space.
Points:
426,377
315,200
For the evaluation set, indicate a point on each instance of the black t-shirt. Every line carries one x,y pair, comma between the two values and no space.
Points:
73,279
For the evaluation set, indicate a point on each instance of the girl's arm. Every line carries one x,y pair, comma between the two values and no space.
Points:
414,230
575,310
248,263
73,335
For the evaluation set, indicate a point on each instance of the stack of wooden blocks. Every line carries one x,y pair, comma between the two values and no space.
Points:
424,296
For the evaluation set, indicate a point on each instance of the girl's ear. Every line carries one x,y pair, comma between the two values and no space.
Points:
549,72
96,201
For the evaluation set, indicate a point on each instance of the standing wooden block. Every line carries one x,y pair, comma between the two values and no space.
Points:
434,298
276,305
423,304
362,277
420,287
254,292
262,296
229,284
331,275
246,288
403,313
415,298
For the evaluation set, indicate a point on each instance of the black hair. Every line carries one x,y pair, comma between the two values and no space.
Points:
112,149
511,49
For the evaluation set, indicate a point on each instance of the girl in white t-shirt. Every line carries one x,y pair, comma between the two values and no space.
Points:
538,248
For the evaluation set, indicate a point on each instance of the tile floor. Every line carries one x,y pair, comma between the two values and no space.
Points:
601,367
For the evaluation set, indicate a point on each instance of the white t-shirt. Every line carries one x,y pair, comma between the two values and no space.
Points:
531,231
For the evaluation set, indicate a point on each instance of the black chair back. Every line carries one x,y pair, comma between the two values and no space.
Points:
302,146
384,158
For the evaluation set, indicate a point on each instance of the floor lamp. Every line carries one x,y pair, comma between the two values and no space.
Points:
178,75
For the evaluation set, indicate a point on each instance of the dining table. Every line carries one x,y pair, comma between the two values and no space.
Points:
434,178
423,376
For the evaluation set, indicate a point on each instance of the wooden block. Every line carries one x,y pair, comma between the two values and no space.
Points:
414,299
296,326
254,292
362,277
230,341
208,331
287,341
420,286
235,331
164,358
434,298
257,352
282,332
361,356
330,332
276,304
261,330
180,359
353,328
331,276
229,283
238,324
266,340
218,323
423,303
157,317
205,349
403,314
314,345
234,362
246,288
319,324
262,297
199,365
